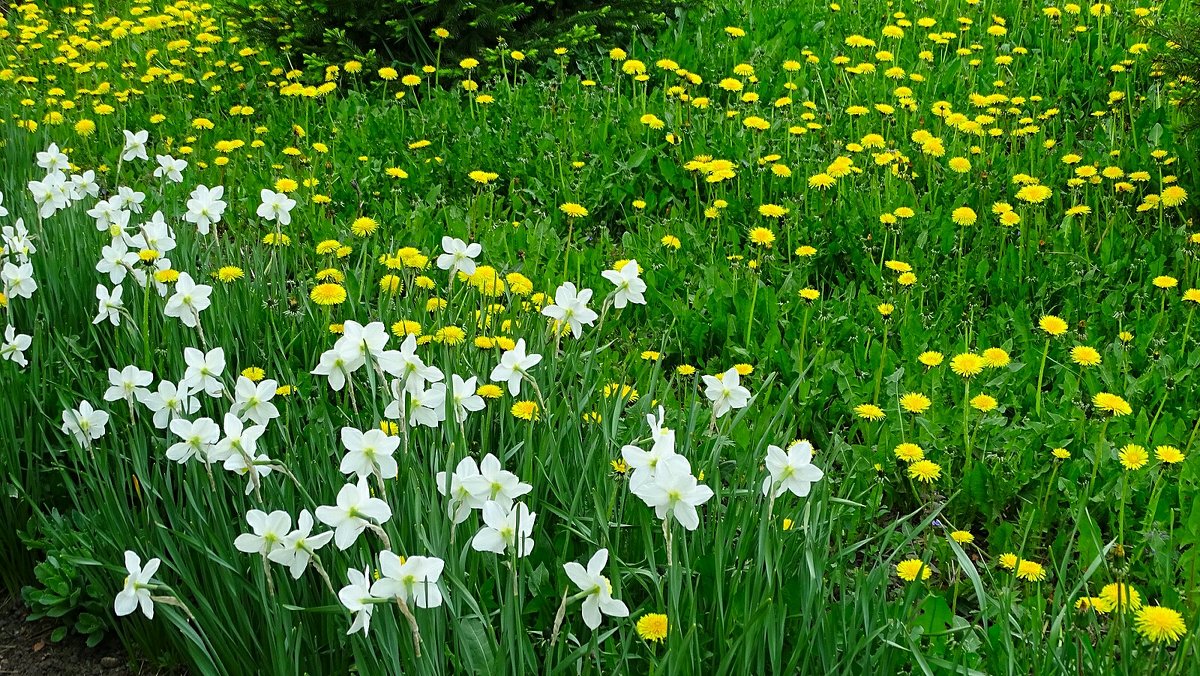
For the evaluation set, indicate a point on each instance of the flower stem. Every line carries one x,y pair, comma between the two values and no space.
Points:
1037,408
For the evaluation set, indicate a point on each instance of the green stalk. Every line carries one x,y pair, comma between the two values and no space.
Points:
1037,407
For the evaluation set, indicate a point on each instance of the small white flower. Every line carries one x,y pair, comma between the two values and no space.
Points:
53,159
427,407
369,453
205,207
791,471
85,423
129,199
135,145
414,579
84,185
493,483
252,401
189,301
198,439
674,492
598,590
204,370
412,369
171,401
570,308
170,167
239,442
356,597
276,206
129,383
17,242
254,468
18,280
629,285
514,367
51,193
299,546
459,256
337,363
136,591
504,529
110,305
355,509
466,401
726,392
117,260
462,500
14,346
269,530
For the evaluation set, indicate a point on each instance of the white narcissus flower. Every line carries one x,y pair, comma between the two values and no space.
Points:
53,159
85,424
514,367
369,453
356,597
254,468
674,492
459,256
170,167
658,433
171,401
354,510
204,370
18,280
269,530
51,193
129,383
645,463
129,199
299,546
505,529
494,483
276,206
466,401
239,442
136,591
791,471
361,342
17,242
427,407
414,579
116,260
252,401
135,145
412,369
197,437
462,500
110,304
205,207
570,308
3,209
14,346
337,363
629,286
596,588
84,185
726,392
155,234
189,300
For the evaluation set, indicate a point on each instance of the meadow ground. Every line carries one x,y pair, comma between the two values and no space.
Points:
795,339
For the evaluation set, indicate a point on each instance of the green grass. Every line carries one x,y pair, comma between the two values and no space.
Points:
743,593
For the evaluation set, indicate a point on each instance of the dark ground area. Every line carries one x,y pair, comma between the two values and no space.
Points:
26,649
